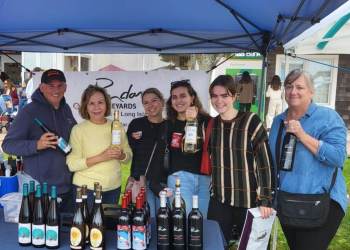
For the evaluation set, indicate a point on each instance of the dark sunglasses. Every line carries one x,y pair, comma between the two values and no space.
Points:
181,82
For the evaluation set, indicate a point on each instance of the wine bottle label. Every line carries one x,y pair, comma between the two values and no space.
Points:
75,237
195,237
96,238
63,145
124,237
116,137
162,236
38,235
51,236
24,233
191,135
179,237
139,237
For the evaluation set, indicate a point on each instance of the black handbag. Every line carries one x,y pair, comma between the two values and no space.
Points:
302,210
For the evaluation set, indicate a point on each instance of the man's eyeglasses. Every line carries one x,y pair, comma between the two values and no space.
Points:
180,82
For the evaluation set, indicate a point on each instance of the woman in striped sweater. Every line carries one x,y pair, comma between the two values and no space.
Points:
241,162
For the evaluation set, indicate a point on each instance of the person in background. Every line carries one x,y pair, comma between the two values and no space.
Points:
241,162
247,91
11,90
42,159
3,78
320,149
145,139
274,93
182,104
22,96
93,159
30,84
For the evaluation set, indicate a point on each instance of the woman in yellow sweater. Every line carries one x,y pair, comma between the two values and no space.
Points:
92,158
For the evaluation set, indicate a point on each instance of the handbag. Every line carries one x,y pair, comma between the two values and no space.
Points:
302,210
205,162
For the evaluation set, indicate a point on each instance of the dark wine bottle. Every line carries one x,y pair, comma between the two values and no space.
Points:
131,207
45,199
19,164
61,142
139,227
97,232
148,215
288,152
178,191
31,195
77,231
195,227
163,224
179,225
86,213
38,226
25,220
123,226
53,222
96,184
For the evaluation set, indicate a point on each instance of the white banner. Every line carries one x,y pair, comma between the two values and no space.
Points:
126,87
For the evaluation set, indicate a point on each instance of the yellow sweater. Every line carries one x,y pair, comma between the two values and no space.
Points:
88,139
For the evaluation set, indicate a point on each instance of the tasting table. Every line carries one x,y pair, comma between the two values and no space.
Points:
213,237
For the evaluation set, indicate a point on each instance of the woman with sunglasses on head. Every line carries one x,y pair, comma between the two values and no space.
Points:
144,136
241,162
183,104
92,158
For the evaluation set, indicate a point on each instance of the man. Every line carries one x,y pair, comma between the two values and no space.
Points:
42,159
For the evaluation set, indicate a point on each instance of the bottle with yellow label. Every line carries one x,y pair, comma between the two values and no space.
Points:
190,144
77,231
97,238
117,129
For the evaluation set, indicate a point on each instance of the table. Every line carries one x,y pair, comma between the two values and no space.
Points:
213,237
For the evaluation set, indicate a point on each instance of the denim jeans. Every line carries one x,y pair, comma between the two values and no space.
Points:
153,201
192,184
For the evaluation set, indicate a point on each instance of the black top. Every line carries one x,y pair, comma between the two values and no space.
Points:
142,136
180,161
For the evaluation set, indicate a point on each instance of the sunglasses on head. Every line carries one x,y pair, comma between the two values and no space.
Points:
180,82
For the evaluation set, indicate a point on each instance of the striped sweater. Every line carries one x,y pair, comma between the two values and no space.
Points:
241,162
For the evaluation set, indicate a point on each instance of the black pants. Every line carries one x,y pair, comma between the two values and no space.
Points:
231,219
315,239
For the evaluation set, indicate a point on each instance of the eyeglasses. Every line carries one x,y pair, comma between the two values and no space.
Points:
180,82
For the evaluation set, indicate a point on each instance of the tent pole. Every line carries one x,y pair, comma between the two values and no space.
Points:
261,96
14,60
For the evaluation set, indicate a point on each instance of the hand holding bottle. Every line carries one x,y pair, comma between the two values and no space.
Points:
111,153
191,113
294,127
47,140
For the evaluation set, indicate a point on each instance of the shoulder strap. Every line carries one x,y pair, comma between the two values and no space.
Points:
151,157
207,134
278,144
333,179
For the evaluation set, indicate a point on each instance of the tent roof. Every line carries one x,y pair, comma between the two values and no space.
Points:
330,36
155,26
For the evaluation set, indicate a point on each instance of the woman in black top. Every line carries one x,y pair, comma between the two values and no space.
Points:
184,103
143,135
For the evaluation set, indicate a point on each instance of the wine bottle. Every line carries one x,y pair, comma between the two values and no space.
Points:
77,231
123,226
45,199
53,222
38,226
86,212
131,207
97,234
139,227
96,184
190,144
178,191
19,164
288,152
147,215
163,224
62,143
195,227
179,225
25,220
31,195
117,129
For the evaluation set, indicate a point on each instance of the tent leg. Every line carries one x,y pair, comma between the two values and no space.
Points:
261,94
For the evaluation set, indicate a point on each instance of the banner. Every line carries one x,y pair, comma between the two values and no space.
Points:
126,87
